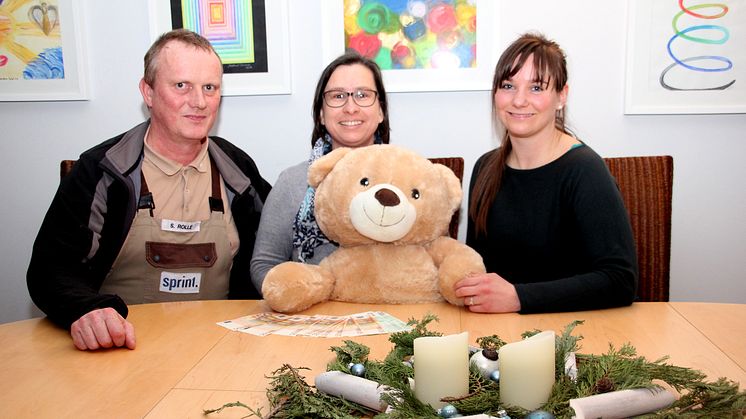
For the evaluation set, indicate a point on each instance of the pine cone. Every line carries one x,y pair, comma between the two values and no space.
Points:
603,385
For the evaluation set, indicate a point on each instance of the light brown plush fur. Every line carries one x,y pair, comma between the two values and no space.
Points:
420,266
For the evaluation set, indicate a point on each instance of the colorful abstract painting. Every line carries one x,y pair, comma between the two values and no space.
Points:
30,40
413,34
235,28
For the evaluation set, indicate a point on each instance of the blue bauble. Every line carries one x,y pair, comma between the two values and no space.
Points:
539,414
495,376
358,369
448,411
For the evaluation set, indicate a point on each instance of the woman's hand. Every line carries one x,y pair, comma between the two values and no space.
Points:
488,293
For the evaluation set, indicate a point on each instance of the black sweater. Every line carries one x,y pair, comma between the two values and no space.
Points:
91,214
560,233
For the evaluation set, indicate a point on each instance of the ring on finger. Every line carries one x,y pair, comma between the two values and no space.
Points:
470,302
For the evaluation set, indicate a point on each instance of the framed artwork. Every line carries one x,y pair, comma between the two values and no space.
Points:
420,45
42,51
686,58
250,36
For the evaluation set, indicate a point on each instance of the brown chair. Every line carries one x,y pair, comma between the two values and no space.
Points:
457,165
65,167
646,184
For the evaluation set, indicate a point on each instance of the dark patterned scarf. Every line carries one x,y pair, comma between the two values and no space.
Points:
306,233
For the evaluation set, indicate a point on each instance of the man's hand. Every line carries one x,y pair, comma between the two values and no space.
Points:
102,328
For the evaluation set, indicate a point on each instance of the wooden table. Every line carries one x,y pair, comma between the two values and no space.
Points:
723,324
185,363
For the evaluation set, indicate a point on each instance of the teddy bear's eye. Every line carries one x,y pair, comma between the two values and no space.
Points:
415,194
364,181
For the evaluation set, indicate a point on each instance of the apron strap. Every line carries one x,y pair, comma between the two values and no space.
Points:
216,200
146,197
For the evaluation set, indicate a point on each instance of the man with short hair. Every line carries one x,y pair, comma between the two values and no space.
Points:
162,212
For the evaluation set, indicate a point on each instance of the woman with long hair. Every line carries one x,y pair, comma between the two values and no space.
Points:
544,211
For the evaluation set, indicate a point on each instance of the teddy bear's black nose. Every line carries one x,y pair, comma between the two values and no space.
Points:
387,197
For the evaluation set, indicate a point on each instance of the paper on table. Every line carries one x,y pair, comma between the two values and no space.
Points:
352,388
622,403
359,324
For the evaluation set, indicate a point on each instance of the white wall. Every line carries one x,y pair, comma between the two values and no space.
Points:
709,196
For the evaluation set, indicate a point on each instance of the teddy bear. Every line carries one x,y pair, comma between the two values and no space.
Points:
388,209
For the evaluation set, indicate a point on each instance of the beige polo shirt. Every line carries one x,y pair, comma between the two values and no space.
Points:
182,192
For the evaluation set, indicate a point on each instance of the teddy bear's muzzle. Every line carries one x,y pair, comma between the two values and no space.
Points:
382,213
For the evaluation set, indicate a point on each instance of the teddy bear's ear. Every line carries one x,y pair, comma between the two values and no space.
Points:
321,167
452,184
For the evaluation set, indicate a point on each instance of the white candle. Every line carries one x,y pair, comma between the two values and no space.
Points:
527,371
441,368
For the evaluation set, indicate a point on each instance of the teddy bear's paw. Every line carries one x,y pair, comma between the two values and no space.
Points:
455,268
291,287
445,284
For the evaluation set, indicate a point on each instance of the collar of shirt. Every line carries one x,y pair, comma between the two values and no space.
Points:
170,167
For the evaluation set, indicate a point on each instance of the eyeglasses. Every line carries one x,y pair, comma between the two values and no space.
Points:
338,98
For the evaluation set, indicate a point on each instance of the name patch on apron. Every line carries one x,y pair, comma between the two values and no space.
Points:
180,226
180,283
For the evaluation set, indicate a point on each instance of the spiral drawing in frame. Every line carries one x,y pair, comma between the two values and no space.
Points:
705,34
686,57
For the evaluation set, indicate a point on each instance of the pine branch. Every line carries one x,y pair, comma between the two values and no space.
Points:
404,341
252,412
351,352
490,342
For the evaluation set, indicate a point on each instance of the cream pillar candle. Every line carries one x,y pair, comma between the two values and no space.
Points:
441,368
527,371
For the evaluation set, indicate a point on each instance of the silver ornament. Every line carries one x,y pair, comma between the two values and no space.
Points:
486,361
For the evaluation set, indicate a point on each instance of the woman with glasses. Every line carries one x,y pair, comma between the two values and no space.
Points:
544,212
349,110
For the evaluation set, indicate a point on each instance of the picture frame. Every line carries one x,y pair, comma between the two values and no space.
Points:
680,59
478,77
271,77
44,57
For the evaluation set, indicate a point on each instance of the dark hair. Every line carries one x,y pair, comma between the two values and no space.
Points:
551,67
182,35
350,58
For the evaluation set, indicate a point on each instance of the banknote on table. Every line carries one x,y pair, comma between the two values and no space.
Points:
318,325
